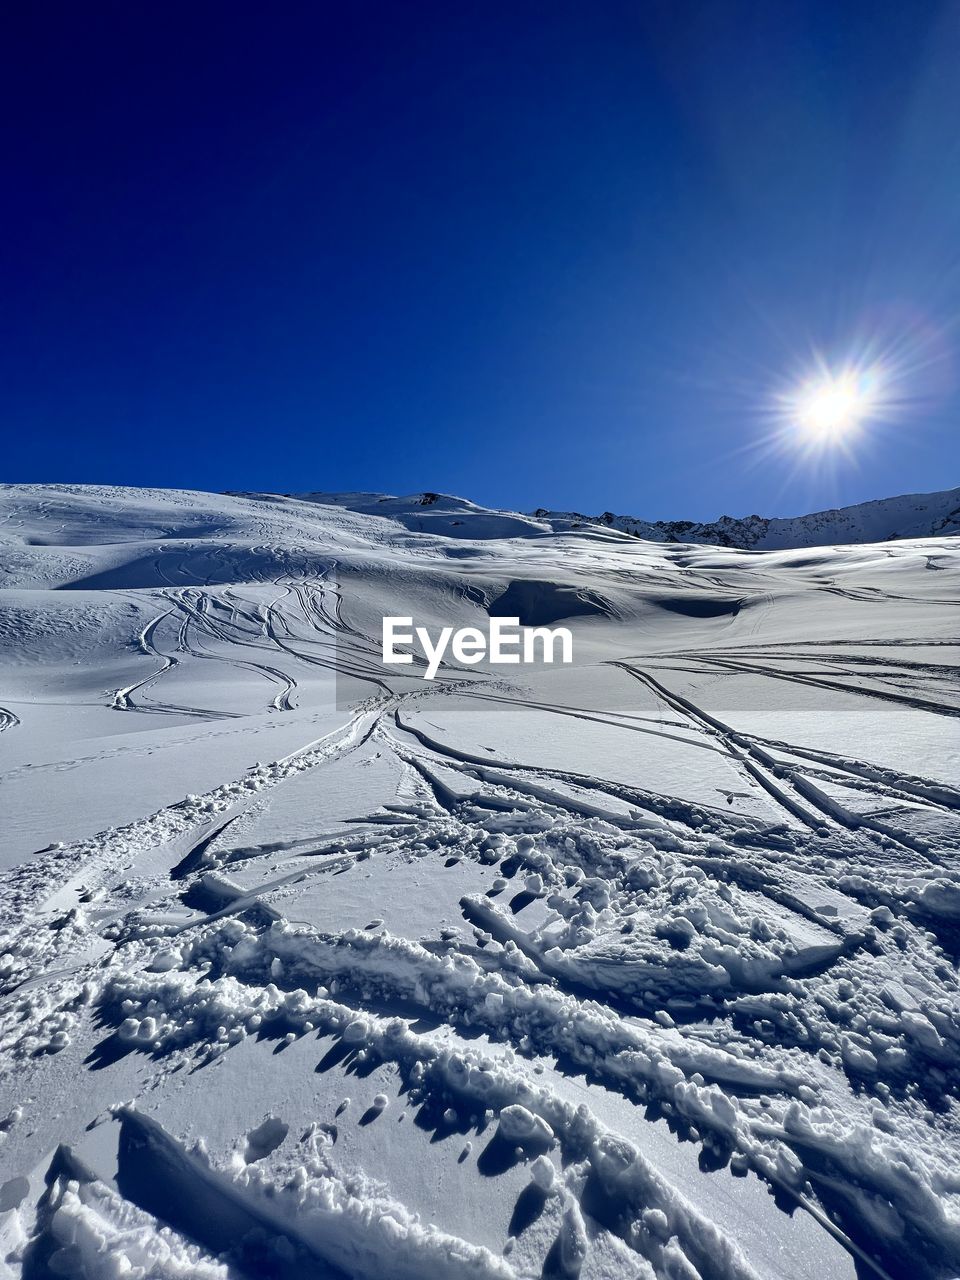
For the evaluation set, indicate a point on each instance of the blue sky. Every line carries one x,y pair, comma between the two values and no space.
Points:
535,254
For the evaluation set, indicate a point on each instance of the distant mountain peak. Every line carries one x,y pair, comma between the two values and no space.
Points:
914,515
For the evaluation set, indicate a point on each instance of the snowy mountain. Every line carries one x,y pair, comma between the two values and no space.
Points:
639,966
915,515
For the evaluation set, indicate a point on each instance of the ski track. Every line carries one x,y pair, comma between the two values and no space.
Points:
7,719
772,991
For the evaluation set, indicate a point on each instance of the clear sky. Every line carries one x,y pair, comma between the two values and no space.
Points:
558,254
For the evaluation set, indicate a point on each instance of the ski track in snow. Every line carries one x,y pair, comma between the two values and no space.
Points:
645,967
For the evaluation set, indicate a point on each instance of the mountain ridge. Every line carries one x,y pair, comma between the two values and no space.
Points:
915,515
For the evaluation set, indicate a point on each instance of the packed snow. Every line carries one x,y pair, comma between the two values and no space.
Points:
641,966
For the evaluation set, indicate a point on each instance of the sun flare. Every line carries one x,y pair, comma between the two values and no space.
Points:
832,407
828,409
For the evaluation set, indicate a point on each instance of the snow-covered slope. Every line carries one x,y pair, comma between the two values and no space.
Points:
641,966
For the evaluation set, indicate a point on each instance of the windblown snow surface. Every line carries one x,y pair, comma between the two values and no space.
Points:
642,966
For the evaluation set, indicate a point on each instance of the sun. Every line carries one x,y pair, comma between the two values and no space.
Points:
829,409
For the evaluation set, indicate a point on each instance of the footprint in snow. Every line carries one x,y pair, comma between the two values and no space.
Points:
265,1139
